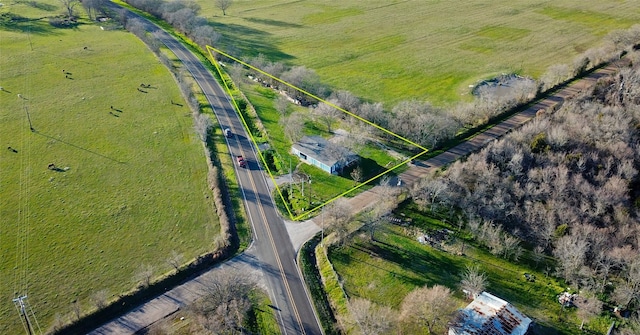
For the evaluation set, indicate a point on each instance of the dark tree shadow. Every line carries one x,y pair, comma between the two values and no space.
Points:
39,5
242,40
16,23
427,267
369,168
274,23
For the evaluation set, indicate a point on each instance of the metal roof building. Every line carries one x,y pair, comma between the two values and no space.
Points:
489,315
317,151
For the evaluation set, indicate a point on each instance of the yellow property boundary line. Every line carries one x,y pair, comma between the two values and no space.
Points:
211,49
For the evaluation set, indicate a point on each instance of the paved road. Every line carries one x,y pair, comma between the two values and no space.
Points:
424,168
271,252
272,255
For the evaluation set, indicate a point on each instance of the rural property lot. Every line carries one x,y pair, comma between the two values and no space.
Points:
325,181
390,51
128,184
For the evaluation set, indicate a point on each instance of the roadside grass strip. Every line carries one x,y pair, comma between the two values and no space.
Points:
313,209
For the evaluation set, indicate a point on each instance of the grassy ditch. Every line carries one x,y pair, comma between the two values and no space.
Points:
309,265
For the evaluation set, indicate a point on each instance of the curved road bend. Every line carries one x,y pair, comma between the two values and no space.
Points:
271,244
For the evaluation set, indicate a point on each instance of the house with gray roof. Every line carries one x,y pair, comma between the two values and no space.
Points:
489,315
327,156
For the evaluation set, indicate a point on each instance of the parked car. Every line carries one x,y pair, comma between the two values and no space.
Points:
227,132
241,161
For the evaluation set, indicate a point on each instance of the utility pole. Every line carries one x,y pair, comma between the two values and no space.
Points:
23,311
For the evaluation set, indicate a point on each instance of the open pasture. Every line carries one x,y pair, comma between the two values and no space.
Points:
112,177
390,51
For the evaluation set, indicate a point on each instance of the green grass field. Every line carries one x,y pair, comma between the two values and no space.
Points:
390,51
130,188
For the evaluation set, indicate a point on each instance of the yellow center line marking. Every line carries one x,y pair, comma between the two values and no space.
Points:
260,207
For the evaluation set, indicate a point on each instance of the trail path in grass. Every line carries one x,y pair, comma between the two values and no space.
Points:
424,168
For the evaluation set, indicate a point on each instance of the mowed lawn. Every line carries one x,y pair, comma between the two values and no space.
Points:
390,51
131,185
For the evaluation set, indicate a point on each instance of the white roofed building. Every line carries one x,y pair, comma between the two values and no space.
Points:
489,315
323,154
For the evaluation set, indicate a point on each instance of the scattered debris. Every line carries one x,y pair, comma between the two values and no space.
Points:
566,299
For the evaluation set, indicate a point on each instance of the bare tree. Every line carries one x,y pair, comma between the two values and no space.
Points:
69,7
202,125
93,7
326,114
385,201
571,252
632,326
223,5
338,215
347,101
555,75
181,19
587,308
357,174
100,298
473,281
511,247
175,260
305,79
538,255
205,35
58,323
143,275
223,308
371,318
293,126
374,113
628,291
429,306
281,104
428,191
76,309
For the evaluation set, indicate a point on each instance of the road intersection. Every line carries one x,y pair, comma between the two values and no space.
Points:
272,256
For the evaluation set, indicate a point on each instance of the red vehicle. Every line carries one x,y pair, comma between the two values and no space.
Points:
241,161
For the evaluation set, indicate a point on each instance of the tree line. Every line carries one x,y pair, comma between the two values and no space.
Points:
183,16
419,121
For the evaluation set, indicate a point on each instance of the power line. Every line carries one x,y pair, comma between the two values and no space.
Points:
19,302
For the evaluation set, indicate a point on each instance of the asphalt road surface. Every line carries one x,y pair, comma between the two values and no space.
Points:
271,244
272,253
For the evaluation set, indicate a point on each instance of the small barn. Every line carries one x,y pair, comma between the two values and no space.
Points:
489,315
327,156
